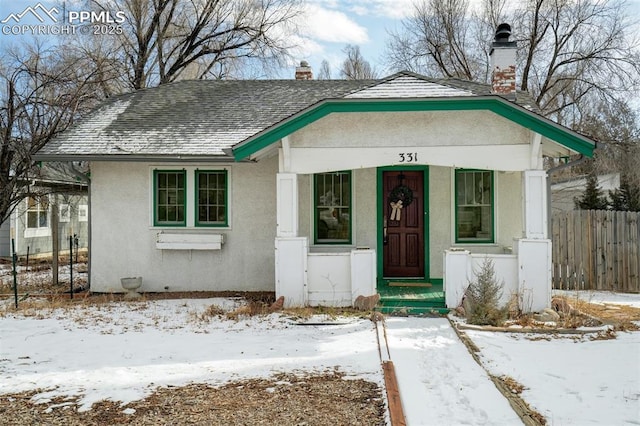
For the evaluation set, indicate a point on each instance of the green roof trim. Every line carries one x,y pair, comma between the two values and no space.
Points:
500,106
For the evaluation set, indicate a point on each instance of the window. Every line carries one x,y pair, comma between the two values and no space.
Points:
211,195
474,206
37,213
170,197
332,208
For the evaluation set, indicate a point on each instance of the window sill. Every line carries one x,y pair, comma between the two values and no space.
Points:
320,248
37,232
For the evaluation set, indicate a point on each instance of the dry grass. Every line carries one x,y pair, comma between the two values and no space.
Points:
323,400
577,313
512,384
621,317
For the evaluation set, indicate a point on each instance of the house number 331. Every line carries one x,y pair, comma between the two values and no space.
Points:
408,157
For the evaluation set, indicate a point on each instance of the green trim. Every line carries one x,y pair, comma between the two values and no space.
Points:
502,107
196,186
155,197
380,217
315,210
493,208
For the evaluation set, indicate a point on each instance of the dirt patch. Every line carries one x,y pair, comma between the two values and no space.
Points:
327,399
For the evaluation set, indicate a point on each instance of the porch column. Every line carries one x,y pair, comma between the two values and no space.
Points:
287,205
291,250
534,250
534,274
535,204
456,276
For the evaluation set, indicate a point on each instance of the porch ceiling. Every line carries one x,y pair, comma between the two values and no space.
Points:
556,138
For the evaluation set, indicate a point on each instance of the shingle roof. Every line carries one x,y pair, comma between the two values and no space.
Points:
204,117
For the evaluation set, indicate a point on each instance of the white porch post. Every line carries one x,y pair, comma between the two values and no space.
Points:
291,250
456,276
534,251
535,204
287,205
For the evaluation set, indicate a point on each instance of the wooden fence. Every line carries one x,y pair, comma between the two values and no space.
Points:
596,250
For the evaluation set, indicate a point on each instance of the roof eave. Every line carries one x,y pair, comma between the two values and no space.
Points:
136,158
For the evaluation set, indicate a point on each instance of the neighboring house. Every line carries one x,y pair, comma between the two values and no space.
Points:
295,186
564,192
31,221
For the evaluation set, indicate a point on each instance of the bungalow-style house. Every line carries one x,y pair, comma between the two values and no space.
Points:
30,225
322,190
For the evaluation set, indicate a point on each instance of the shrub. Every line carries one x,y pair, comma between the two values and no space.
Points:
482,298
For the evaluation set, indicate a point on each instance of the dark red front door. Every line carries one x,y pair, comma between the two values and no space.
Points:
403,234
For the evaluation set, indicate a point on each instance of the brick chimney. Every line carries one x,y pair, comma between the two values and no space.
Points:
303,72
503,63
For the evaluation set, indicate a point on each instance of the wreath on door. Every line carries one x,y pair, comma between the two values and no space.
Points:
401,193
400,196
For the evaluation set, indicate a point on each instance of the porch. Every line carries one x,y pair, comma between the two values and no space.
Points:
335,275
381,150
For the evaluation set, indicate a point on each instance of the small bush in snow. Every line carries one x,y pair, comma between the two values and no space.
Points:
482,298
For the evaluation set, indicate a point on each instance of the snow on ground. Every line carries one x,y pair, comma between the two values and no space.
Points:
568,381
122,351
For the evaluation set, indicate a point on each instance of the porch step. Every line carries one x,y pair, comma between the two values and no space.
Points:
407,305
412,310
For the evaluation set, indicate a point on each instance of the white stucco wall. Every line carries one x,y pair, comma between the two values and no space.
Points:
124,238
377,129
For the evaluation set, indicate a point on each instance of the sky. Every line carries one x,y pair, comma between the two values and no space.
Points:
569,379
326,27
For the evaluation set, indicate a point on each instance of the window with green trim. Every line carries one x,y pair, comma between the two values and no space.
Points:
474,208
169,197
211,196
332,207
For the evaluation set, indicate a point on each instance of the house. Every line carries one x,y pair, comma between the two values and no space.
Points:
31,223
322,190
565,191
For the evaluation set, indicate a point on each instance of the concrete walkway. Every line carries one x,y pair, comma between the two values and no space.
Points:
440,382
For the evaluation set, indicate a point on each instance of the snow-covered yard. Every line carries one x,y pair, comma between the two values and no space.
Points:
122,351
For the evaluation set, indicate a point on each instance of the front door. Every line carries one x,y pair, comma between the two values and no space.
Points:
403,222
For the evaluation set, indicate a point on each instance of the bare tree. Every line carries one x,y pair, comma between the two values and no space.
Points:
440,39
616,126
164,40
355,67
41,93
569,50
325,71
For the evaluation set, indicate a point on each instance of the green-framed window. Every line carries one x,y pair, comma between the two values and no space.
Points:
332,207
474,206
169,197
211,198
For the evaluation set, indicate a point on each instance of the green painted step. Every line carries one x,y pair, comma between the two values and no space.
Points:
411,300
429,303
412,311
411,306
